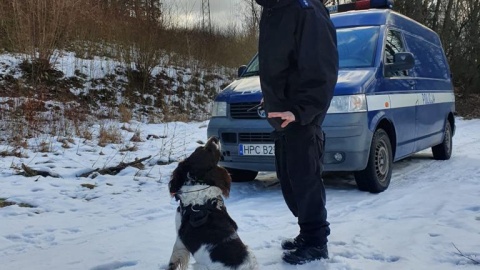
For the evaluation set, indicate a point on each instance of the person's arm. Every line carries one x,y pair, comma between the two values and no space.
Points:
317,60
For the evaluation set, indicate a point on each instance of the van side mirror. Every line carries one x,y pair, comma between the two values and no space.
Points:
241,70
401,61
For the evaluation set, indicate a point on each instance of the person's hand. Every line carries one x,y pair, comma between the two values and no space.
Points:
288,116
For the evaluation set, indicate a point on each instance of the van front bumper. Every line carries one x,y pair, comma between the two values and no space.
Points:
347,143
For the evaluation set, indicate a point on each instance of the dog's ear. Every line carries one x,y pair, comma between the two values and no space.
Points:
221,179
179,176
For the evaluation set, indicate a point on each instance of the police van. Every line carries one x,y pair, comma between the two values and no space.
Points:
394,97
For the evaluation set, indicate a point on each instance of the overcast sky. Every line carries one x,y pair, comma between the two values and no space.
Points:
223,12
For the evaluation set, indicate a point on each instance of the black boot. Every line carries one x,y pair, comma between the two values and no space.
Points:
293,243
305,254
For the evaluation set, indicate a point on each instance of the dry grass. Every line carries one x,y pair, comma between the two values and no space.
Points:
180,117
89,186
17,152
65,142
136,137
126,114
129,148
5,203
30,110
44,146
127,128
109,134
83,131
18,142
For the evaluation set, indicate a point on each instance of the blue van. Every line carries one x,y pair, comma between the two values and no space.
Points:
394,97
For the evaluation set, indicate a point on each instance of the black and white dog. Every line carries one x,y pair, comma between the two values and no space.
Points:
204,227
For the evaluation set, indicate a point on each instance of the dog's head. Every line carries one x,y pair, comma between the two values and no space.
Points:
202,166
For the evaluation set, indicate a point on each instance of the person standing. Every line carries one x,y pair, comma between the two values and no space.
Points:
298,61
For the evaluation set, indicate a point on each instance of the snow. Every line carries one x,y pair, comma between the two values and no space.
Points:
127,220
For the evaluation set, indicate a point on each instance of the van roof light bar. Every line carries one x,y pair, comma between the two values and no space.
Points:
361,4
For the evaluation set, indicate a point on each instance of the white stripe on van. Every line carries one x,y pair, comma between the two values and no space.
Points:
444,97
378,102
394,101
403,100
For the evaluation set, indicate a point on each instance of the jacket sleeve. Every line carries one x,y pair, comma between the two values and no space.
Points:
317,60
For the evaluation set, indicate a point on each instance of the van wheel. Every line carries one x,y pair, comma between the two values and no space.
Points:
242,175
443,151
375,178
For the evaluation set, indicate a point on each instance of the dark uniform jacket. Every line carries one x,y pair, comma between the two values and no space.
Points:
298,59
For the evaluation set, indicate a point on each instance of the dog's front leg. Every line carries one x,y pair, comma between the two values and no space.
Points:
180,256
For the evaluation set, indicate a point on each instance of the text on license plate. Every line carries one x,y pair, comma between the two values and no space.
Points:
256,149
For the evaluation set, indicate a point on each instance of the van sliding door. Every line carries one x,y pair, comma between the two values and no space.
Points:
401,89
433,87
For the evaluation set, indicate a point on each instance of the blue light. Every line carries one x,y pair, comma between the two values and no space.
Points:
361,4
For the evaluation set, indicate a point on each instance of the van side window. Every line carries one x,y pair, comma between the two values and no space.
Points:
394,44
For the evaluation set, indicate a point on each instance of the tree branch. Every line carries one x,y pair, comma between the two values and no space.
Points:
116,169
29,172
465,256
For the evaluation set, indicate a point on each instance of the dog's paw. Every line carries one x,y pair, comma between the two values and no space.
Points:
172,266
169,266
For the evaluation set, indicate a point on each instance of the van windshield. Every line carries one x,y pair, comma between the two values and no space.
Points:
356,48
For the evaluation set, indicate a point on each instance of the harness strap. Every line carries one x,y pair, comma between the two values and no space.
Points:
197,215
198,218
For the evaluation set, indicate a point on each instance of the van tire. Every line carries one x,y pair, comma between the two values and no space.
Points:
443,151
238,175
375,178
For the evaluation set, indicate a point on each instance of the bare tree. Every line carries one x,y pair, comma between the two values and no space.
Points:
251,17
41,26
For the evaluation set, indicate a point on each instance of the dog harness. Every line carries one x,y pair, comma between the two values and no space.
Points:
197,215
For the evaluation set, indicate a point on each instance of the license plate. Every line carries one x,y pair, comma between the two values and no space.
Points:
256,149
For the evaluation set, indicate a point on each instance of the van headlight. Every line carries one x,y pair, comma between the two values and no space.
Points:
346,104
219,109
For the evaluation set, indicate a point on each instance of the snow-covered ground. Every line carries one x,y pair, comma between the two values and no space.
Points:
127,220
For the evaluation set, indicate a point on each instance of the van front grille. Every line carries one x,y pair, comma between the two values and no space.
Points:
229,137
255,137
241,110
